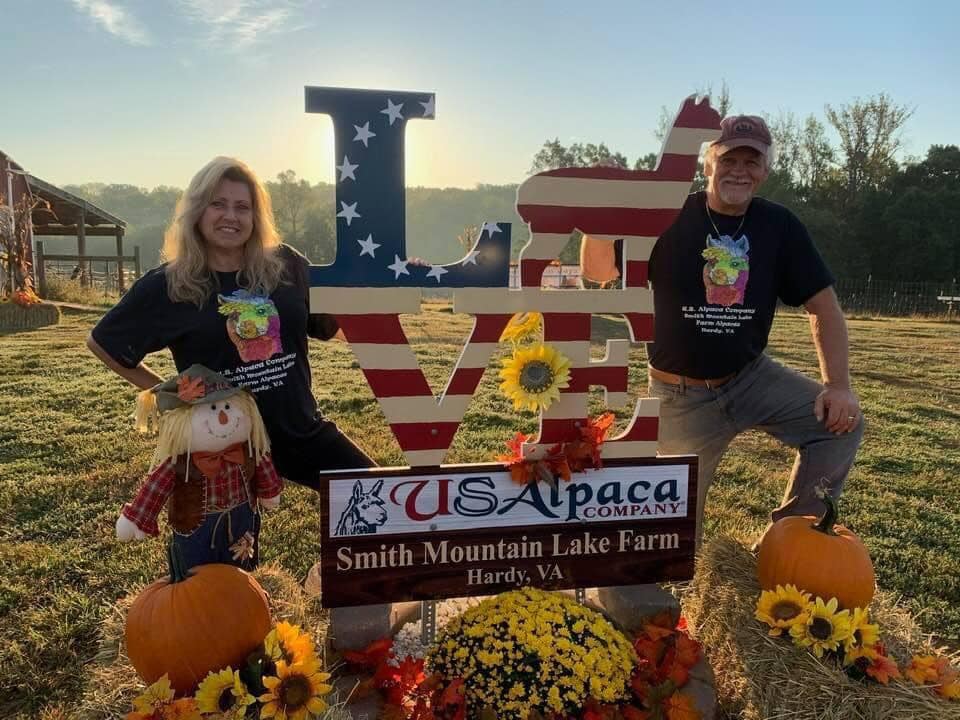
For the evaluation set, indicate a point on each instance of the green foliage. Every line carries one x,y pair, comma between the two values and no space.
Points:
553,155
305,218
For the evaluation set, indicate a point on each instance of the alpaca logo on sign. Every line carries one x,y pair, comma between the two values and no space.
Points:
253,325
364,513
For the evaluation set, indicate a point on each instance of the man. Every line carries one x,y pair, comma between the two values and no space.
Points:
717,274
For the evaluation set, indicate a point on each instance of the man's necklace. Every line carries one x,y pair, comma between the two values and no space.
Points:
743,219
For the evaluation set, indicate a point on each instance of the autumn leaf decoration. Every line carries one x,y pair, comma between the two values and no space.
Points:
666,653
562,459
408,692
188,389
547,469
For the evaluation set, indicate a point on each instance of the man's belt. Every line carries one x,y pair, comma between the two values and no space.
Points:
684,381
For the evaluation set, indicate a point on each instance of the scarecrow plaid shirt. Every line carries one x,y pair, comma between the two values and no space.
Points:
223,492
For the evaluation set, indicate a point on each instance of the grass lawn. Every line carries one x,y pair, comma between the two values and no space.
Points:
69,457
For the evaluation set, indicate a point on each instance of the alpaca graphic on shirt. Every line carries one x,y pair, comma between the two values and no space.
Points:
727,270
253,324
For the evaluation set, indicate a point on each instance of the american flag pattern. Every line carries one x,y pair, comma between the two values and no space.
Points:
371,281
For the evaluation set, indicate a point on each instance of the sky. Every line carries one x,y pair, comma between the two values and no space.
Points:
145,92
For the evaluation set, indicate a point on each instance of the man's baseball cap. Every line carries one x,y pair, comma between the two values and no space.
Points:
744,131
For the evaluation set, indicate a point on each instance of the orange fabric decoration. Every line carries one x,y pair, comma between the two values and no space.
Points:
211,462
188,389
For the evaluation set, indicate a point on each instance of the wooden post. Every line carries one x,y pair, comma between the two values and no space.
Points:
120,260
136,260
82,247
41,269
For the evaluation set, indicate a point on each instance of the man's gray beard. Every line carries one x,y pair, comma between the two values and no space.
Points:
728,199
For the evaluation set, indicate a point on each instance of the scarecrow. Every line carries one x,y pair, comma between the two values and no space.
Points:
212,469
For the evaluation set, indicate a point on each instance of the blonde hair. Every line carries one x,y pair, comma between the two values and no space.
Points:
175,430
189,278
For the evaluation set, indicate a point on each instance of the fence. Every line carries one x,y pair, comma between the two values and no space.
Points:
870,297
114,278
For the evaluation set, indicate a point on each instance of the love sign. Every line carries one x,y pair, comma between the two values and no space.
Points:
371,283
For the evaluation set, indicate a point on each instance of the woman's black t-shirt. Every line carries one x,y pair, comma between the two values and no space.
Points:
257,342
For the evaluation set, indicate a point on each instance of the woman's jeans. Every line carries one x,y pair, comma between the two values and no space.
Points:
765,396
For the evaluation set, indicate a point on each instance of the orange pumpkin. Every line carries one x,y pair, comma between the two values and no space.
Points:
195,621
825,559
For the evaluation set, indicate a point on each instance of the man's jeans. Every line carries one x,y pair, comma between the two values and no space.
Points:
766,396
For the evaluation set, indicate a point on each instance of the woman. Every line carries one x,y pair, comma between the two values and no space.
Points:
231,297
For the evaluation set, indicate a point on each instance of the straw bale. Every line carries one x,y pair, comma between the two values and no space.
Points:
765,678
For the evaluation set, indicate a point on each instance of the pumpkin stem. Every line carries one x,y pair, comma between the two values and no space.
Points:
178,570
829,518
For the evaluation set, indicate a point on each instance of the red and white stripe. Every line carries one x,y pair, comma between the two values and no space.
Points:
423,424
607,203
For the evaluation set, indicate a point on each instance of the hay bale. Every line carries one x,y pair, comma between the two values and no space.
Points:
760,677
15,317
113,683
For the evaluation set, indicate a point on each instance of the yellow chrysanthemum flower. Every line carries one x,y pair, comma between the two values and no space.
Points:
523,328
160,693
296,693
782,608
533,376
556,667
824,628
224,692
289,643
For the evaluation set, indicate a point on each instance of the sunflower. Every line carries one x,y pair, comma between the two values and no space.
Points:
863,637
782,608
288,643
296,693
523,327
533,376
824,628
224,692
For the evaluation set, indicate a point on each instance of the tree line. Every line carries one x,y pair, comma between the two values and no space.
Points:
440,221
871,215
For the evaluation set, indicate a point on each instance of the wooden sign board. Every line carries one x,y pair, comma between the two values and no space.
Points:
394,534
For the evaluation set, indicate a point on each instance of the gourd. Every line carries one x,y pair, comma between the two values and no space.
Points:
195,621
818,556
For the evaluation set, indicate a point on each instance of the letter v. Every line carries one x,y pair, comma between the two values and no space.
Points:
423,425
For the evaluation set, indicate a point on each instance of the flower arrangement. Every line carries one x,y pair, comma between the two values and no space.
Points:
534,650
532,653
281,680
850,637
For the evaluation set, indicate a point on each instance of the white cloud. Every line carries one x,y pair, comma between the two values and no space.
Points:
116,20
238,24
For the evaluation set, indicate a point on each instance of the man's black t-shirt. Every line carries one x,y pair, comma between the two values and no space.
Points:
256,342
715,289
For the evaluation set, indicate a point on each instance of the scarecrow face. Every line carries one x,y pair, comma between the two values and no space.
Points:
217,425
